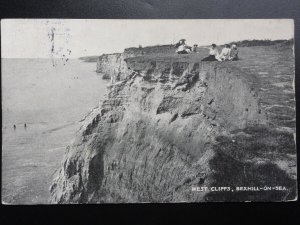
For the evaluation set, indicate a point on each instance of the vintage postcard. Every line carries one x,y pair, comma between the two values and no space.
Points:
148,111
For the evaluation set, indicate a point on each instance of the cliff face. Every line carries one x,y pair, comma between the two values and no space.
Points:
111,65
114,67
169,126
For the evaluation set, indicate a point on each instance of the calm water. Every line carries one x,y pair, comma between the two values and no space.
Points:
50,100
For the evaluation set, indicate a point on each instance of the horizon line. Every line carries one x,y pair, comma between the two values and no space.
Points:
78,57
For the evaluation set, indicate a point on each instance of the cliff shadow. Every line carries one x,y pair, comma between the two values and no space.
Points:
249,159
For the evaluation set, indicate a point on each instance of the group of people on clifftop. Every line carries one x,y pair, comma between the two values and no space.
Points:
228,53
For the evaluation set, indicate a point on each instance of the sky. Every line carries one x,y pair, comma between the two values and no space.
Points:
73,38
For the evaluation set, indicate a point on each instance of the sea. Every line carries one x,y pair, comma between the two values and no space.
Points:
50,96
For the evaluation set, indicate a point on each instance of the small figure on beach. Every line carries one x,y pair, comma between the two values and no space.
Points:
25,126
213,54
15,126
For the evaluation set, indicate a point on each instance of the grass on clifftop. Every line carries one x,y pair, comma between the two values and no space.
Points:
250,158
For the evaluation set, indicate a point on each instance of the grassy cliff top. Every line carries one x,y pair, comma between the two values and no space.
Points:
269,70
168,52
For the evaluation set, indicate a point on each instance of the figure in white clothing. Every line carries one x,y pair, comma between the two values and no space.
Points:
182,47
225,54
213,54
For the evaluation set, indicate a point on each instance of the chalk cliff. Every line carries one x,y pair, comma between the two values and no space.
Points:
171,124
113,66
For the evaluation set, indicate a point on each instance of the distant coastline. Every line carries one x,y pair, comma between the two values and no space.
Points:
89,58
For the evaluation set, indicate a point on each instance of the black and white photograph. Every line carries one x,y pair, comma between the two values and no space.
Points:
148,111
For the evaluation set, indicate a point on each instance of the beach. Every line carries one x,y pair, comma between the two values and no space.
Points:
51,97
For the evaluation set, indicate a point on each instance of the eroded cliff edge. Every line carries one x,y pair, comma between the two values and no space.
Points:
170,125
